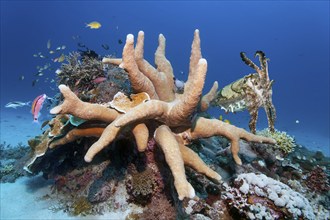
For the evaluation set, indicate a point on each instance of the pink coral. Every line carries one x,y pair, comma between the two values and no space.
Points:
159,208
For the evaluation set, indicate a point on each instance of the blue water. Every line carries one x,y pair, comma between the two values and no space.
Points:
293,34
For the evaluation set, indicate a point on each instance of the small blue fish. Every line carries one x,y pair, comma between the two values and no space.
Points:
105,46
16,104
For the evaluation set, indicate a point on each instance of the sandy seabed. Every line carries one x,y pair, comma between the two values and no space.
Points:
23,199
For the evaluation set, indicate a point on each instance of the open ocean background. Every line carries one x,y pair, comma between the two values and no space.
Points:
293,34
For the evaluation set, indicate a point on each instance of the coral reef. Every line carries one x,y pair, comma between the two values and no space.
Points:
250,92
127,139
176,113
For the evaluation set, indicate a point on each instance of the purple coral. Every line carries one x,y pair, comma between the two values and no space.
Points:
318,180
159,208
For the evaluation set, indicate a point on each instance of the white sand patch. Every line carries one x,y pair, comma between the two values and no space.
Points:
17,127
21,200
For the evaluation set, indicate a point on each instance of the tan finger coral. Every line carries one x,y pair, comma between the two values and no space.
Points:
172,117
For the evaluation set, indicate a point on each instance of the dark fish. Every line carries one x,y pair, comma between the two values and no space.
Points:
120,41
21,77
88,53
44,124
34,82
105,46
81,45
39,74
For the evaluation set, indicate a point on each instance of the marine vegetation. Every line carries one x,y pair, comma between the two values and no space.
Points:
131,141
250,92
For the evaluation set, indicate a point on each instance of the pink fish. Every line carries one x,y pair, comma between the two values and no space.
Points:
99,79
37,105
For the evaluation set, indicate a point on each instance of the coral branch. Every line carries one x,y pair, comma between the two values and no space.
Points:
139,82
210,127
196,53
74,106
141,134
165,72
144,66
166,140
163,65
114,61
191,159
209,97
108,135
152,109
162,79
184,109
75,134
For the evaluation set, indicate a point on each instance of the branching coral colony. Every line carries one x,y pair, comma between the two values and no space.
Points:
173,118
175,114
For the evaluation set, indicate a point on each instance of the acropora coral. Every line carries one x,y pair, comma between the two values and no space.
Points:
174,117
284,142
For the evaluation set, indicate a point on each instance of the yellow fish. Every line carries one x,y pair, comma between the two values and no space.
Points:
60,59
225,121
94,25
